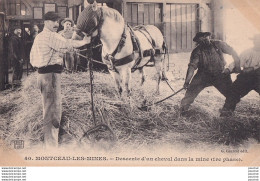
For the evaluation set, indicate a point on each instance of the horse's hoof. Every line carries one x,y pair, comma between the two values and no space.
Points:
164,78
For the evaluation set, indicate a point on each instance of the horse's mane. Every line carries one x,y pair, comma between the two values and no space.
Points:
112,13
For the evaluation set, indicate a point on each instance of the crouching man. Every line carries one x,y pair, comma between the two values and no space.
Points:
208,58
47,56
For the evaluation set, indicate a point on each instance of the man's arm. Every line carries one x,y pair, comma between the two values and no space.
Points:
229,50
248,62
80,43
189,75
193,65
59,43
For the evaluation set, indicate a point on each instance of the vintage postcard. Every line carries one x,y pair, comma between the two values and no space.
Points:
130,83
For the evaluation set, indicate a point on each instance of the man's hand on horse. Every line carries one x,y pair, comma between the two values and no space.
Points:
86,38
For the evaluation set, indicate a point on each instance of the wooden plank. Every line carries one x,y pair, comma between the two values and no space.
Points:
134,15
157,14
151,14
178,27
175,25
146,14
140,15
71,12
193,23
168,26
129,13
183,26
173,28
189,27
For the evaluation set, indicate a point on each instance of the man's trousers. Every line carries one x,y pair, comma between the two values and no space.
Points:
50,87
201,80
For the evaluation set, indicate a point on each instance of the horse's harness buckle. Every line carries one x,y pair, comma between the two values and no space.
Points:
110,58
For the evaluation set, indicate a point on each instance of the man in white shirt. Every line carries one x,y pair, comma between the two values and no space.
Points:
247,80
47,55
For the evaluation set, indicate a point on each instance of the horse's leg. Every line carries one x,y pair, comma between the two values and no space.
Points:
126,80
117,80
164,77
158,67
141,71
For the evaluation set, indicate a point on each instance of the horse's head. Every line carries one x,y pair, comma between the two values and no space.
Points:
89,20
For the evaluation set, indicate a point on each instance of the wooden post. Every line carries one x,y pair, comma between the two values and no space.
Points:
2,58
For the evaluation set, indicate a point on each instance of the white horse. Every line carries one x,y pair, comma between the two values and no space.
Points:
120,49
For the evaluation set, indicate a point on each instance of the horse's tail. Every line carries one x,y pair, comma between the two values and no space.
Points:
165,47
166,50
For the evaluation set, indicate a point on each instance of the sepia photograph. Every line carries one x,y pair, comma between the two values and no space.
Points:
130,83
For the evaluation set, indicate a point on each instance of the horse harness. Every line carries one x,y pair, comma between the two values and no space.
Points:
136,49
111,62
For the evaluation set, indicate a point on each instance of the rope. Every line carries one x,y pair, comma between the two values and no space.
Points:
91,60
169,85
91,76
143,107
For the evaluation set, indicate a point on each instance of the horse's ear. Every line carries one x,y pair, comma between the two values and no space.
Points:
94,6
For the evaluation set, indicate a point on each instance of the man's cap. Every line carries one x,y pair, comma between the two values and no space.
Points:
51,15
201,34
67,19
14,27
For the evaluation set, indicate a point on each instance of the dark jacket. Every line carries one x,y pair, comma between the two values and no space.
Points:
15,49
210,59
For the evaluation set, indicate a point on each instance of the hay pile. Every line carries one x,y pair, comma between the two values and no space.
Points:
21,115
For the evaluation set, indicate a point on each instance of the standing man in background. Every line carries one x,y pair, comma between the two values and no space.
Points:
35,32
15,54
47,55
70,60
